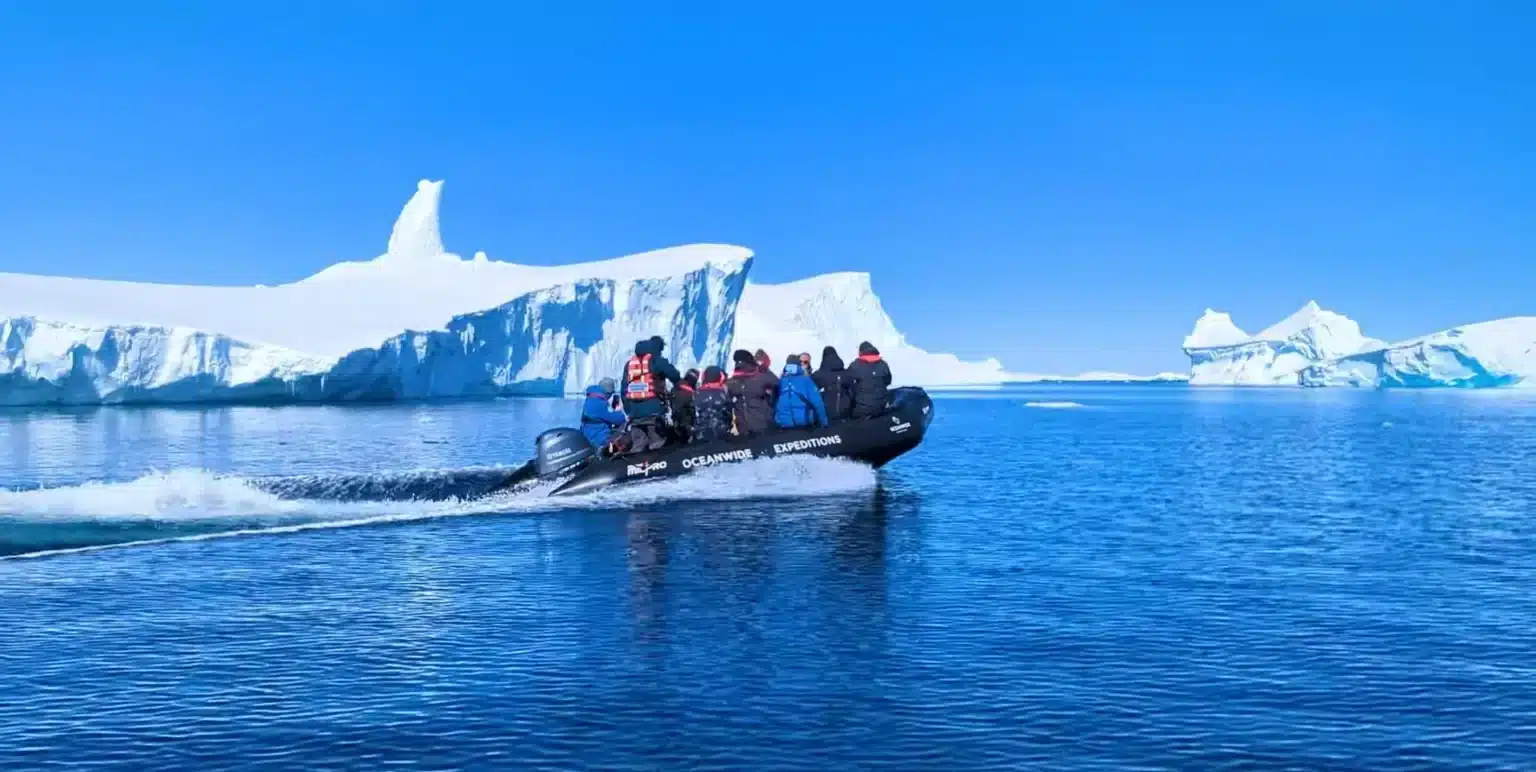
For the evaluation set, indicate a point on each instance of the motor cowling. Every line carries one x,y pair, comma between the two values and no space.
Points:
561,450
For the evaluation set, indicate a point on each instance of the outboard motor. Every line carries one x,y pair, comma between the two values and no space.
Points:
561,450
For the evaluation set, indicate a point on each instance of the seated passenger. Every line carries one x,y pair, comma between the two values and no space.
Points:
871,382
765,363
601,415
711,407
645,379
682,405
835,384
752,392
799,403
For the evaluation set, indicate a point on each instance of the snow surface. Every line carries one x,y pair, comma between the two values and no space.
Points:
419,321
1277,355
842,310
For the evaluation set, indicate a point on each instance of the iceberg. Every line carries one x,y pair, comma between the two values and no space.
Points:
842,310
1221,353
421,322
415,322
1493,354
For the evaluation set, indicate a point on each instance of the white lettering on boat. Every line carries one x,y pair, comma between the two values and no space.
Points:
646,467
745,454
806,444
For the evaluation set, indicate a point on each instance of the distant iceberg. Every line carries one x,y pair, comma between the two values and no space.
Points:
1314,347
1220,353
1494,354
421,322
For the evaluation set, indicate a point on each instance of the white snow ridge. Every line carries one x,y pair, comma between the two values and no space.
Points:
419,322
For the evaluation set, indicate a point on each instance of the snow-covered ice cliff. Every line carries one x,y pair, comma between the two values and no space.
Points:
842,310
1221,353
419,321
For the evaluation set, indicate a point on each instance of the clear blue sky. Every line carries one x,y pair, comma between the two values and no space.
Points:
1064,185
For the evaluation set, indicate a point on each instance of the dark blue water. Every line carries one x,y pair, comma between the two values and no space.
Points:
1162,578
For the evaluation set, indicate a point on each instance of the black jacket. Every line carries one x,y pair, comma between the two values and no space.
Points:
682,409
661,372
836,387
871,385
711,414
752,399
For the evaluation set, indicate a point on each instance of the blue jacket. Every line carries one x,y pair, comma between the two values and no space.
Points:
598,420
799,400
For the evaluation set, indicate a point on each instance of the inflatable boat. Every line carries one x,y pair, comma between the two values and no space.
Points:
565,453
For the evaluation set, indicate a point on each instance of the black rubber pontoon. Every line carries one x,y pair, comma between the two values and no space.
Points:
874,441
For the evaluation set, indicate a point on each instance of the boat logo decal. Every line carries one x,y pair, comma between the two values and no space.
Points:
646,467
745,454
901,427
806,444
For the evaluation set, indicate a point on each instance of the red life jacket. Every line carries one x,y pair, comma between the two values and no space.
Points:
638,382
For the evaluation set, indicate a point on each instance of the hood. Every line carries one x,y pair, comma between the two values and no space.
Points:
830,361
597,390
793,369
647,347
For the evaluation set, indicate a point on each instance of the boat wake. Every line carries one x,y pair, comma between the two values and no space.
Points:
194,504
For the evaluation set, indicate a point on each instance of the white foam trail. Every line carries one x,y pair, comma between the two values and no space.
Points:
1055,405
201,496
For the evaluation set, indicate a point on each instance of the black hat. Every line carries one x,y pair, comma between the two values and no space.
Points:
792,359
743,357
866,348
660,344
713,374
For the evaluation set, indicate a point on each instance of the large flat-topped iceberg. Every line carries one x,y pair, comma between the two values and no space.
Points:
1220,353
416,284
842,310
415,322
419,321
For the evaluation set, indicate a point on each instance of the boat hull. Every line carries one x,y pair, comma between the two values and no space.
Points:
874,441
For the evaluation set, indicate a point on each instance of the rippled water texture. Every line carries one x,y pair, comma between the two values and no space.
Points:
1155,578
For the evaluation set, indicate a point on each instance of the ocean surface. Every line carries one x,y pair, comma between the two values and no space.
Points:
1074,577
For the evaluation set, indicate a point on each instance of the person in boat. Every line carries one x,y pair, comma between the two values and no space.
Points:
682,405
765,363
835,385
601,414
646,375
799,404
752,392
711,407
871,382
